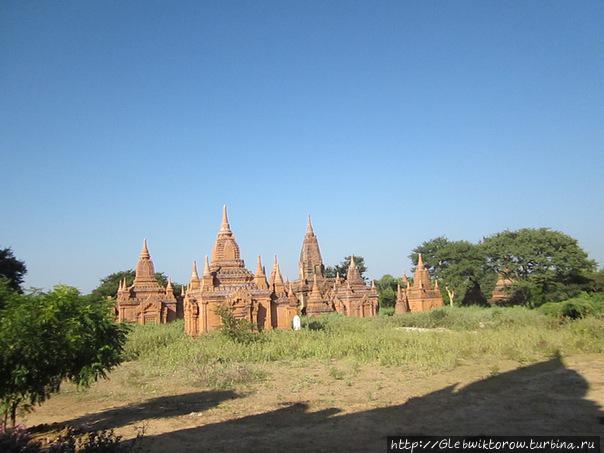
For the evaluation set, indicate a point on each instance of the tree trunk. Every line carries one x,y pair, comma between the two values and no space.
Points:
13,413
451,295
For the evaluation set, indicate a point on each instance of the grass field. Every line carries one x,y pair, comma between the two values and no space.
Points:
343,377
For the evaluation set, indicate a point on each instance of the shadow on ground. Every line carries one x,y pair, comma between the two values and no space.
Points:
541,399
161,407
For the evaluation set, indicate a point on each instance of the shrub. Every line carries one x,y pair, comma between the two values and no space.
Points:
576,308
235,329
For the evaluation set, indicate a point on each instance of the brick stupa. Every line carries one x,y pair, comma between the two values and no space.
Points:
420,295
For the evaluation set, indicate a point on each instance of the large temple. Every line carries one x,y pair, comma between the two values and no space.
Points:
146,301
227,283
419,295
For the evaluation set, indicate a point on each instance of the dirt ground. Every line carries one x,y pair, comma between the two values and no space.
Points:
340,406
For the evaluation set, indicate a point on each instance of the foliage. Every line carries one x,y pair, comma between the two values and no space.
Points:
109,284
235,329
578,307
47,338
17,439
12,269
460,265
543,262
342,268
387,287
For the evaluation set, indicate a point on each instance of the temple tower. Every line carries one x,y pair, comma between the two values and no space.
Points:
420,295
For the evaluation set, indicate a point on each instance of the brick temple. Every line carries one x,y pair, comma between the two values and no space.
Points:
146,301
419,295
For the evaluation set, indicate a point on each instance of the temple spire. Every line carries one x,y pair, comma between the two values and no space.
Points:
309,229
206,266
145,250
420,261
260,277
194,274
224,226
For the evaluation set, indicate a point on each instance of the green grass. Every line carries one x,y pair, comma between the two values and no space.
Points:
471,333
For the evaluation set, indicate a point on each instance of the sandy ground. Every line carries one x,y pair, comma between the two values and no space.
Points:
340,406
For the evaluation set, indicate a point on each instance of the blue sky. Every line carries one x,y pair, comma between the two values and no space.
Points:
389,122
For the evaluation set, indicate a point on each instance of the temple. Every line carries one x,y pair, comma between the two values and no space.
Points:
226,283
146,301
502,293
353,297
319,294
419,295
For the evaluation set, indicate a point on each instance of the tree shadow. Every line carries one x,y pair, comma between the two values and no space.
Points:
540,399
155,408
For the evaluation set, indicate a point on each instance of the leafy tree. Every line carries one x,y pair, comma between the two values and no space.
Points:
460,265
110,284
342,268
546,265
47,338
387,287
12,269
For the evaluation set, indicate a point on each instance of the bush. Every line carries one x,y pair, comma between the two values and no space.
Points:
236,329
577,307
47,338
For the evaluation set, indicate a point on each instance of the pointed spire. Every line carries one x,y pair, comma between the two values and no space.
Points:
259,268
420,261
145,250
120,287
224,226
194,274
169,286
206,266
309,229
260,277
436,285
182,290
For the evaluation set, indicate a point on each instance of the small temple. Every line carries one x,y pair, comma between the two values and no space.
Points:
146,301
502,293
353,297
419,295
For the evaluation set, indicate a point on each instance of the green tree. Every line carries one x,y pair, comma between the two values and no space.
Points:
12,269
342,268
547,265
459,265
109,284
387,287
47,338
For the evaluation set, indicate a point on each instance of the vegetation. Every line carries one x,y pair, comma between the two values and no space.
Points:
46,338
12,270
387,287
457,334
342,268
545,266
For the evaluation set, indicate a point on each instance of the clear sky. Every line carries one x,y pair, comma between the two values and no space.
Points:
391,123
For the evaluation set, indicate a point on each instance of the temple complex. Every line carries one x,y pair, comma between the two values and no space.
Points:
146,301
319,294
226,282
419,295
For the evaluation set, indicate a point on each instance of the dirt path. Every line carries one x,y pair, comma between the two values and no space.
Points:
325,406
